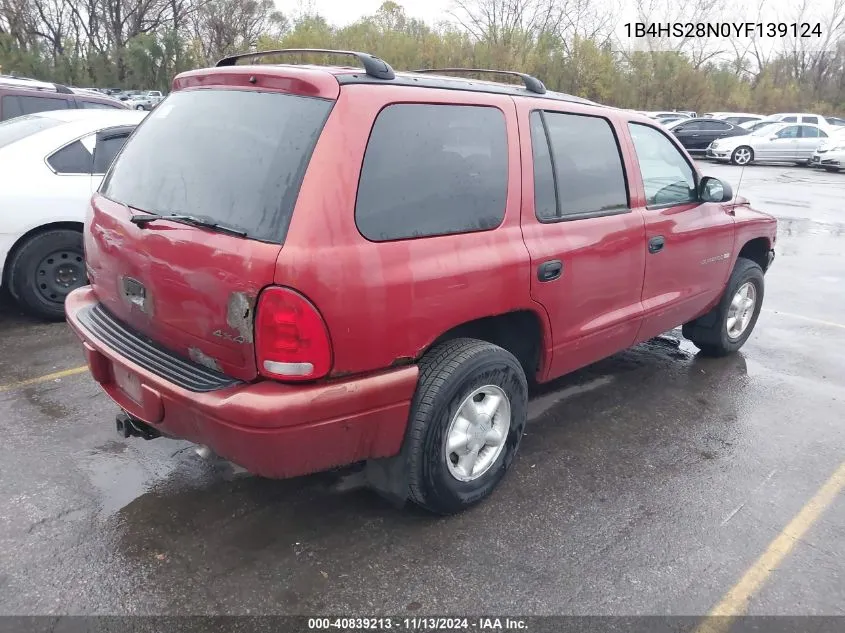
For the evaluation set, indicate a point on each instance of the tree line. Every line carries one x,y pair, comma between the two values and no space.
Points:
571,45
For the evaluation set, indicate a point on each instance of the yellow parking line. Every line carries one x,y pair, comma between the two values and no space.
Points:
806,318
54,376
735,602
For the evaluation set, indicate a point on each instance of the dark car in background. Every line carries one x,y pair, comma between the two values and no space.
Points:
19,96
697,134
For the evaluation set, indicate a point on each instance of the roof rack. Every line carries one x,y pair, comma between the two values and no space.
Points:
532,84
34,84
373,66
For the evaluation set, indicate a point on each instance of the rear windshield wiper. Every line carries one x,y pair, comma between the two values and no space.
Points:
193,220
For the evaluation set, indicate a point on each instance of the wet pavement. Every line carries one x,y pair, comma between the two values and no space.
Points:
646,484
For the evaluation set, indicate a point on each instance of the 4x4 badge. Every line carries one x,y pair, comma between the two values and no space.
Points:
228,337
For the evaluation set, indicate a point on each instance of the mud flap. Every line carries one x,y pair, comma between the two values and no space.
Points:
389,478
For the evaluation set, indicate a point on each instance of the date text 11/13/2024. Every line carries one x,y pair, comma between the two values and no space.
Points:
418,624
723,29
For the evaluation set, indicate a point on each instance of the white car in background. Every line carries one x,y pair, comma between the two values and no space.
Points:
801,117
830,154
780,143
52,162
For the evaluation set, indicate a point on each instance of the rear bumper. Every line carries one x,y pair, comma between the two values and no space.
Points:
271,429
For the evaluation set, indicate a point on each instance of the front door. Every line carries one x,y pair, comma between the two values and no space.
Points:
689,243
780,146
586,244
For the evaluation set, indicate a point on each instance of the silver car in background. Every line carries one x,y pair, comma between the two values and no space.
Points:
778,142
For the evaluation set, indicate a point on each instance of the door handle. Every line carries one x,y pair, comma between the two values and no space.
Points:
550,270
655,244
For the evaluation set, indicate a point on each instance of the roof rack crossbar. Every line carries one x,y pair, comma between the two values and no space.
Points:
373,66
532,84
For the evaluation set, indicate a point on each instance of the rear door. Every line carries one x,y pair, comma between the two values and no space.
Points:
232,156
688,242
586,244
809,138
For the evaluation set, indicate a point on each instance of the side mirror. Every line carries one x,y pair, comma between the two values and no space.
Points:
714,190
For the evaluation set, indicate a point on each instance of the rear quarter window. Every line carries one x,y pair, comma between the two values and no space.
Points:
433,169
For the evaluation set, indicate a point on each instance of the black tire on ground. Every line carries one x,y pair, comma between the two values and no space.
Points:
449,373
709,333
24,274
733,155
832,169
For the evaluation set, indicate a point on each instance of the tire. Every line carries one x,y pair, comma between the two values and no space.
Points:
710,333
738,153
44,269
449,374
832,169
140,107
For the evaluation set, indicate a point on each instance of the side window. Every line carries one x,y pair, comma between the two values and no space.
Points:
545,198
808,131
105,151
789,132
667,177
718,126
586,165
96,105
433,170
810,119
789,119
72,159
11,107
31,105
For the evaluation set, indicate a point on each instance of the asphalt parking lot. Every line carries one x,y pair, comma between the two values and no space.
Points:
649,483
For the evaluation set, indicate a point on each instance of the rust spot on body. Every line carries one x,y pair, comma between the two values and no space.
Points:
239,314
201,358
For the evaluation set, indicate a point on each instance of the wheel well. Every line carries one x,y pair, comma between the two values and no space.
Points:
757,250
73,226
518,332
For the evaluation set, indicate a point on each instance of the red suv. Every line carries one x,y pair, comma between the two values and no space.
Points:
304,267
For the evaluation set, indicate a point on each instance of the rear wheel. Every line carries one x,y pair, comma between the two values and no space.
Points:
742,155
45,269
466,423
726,327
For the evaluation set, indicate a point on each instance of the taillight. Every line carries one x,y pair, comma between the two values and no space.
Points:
291,339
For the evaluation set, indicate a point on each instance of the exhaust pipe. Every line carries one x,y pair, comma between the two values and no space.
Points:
128,426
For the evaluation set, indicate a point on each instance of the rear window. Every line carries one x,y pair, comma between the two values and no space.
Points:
230,156
21,127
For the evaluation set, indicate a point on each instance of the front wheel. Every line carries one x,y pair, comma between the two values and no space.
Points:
139,107
726,327
466,424
742,155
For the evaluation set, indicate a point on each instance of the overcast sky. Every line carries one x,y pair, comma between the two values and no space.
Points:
342,12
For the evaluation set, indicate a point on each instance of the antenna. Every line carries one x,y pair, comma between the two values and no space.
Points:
739,184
